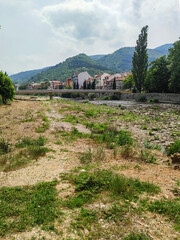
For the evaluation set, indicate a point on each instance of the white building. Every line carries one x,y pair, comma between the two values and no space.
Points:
80,78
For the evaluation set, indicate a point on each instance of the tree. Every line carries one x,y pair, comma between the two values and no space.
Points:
140,60
89,85
174,58
84,85
7,90
93,84
128,82
114,83
158,75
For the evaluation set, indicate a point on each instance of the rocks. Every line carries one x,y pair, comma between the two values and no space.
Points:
175,158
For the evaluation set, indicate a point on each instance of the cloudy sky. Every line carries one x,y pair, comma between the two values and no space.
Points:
40,33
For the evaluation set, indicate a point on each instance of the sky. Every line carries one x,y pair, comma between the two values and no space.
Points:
40,33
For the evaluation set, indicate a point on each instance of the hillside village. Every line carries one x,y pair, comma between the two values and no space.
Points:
81,80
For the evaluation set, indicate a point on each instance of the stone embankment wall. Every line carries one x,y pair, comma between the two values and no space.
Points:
162,97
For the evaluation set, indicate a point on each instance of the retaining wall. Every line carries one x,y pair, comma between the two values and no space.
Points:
162,97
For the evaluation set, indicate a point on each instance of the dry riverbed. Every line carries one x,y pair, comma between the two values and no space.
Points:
68,170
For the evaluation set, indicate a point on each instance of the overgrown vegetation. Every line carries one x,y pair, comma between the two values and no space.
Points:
22,208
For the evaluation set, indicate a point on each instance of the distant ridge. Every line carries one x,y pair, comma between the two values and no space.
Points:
119,61
23,76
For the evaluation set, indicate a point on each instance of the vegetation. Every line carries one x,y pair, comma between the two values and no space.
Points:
22,208
7,91
174,148
140,60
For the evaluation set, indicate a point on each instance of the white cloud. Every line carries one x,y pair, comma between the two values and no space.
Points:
39,33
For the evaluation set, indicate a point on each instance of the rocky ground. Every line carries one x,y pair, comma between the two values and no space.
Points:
150,126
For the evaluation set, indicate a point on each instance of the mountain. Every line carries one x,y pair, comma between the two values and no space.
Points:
24,76
121,60
96,57
164,49
66,69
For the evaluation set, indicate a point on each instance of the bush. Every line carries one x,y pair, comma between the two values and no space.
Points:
154,100
4,146
134,236
1,101
7,90
142,98
174,148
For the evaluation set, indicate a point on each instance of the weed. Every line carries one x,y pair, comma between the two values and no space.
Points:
84,219
71,119
79,199
45,119
150,146
144,127
137,236
174,148
36,151
170,209
154,100
116,213
44,126
27,141
86,158
127,151
24,207
4,146
147,157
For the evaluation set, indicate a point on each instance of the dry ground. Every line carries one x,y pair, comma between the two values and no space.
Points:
65,157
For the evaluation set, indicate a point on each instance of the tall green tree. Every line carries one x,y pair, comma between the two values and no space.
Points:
94,84
114,83
158,76
140,59
174,58
128,82
7,90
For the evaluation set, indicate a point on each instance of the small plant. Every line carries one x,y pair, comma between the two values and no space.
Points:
174,148
4,146
137,236
43,127
147,157
154,100
127,151
37,151
86,157
151,146
144,127
27,141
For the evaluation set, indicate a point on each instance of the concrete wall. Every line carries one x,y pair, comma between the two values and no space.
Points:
162,97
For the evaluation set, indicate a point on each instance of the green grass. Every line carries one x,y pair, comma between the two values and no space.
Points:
44,126
88,185
174,148
137,236
151,146
147,157
170,209
27,141
4,146
22,208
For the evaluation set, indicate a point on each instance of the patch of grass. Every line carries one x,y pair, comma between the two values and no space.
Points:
27,141
31,119
85,218
70,119
44,126
36,151
147,157
104,180
127,151
22,208
137,236
86,157
174,148
151,146
4,146
169,209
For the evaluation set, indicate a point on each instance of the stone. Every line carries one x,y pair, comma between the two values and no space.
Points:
175,158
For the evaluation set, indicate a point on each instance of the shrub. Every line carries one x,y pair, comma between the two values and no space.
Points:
174,148
124,138
136,236
147,157
4,146
1,101
91,96
154,100
7,90
142,98
86,157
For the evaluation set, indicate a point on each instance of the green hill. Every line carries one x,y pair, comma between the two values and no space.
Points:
66,69
24,76
164,49
121,60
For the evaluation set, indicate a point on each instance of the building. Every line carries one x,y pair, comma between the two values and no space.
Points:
80,78
100,80
69,82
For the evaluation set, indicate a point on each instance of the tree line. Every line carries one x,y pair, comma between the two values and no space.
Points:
163,74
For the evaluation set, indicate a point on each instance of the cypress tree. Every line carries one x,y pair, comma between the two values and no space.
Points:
140,59
114,83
